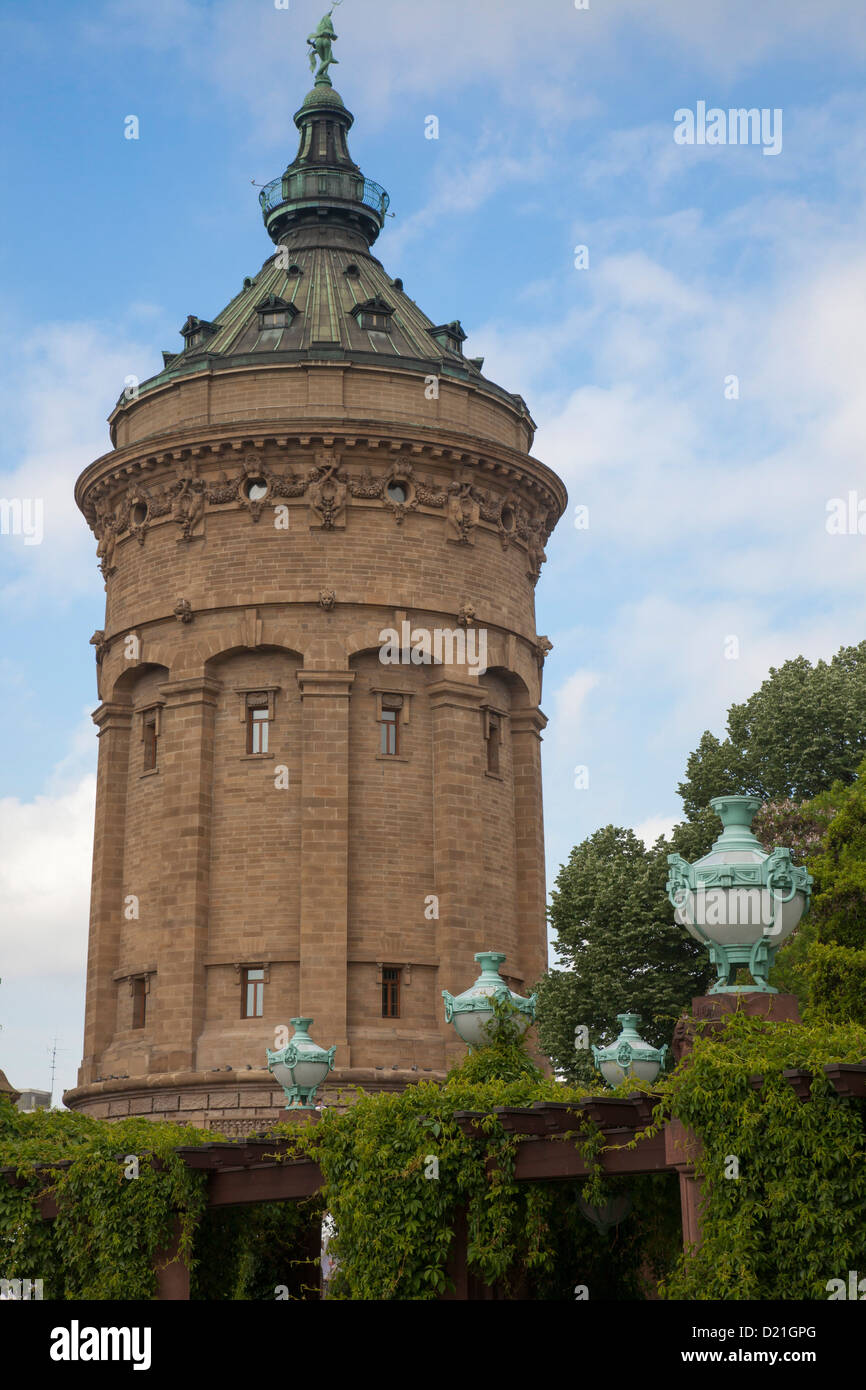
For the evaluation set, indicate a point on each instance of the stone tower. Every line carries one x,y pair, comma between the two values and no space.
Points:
319,786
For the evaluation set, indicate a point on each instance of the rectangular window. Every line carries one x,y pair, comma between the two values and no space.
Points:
390,726
494,739
151,738
139,1001
257,728
391,992
253,993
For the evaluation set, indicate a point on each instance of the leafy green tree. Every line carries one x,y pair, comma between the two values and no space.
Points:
803,730
617,937
834,961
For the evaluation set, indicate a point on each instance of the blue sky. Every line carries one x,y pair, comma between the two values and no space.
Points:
707,515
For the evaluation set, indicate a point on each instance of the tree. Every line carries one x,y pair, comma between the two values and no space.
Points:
834,961
803,730
796,743
617,935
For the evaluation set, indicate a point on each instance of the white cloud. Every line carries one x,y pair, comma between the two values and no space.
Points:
570,698
649,830
64,380
45,879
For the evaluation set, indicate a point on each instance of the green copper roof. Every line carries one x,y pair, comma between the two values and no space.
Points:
327,286
323,294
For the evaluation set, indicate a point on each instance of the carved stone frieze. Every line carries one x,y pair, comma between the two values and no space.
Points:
365,485
538,533
464,512
187,506
400,475
327,492
105,530
430,496
223,490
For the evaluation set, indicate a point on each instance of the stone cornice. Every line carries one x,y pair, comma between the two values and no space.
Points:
527,721
112,714
192,690
427,446
325,683
460,693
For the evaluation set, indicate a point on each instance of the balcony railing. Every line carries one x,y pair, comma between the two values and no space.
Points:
371,194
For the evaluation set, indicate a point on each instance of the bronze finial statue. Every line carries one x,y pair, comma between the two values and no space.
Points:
320,44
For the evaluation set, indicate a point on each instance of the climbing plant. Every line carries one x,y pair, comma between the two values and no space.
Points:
783,1180
119,1189
784,1183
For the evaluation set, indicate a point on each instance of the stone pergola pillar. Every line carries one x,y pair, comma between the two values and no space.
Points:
682,1146
324,928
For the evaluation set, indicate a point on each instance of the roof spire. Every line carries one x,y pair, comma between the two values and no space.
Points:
323,187
320,42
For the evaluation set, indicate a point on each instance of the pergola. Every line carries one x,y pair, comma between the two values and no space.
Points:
257,1169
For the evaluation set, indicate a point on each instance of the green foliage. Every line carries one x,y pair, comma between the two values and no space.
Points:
803,730
796,1215
395,1220
246,1253
834,962
109,1228
504,1058
615,931
793,1219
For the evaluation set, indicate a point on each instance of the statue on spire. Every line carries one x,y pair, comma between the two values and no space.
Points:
320,45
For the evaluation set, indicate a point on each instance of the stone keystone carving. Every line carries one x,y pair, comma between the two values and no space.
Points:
466,615
183,610
327,599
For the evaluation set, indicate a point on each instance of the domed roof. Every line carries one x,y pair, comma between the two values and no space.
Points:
323,295
330,300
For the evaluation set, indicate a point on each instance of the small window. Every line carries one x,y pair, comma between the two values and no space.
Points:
252,992
255,489
151,740
139,1001
257,725
494,740
389,724
396,492
374,314
391,992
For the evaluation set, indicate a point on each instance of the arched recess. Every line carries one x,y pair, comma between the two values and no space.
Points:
157,668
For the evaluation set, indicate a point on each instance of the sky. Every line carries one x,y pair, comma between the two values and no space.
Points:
695,371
